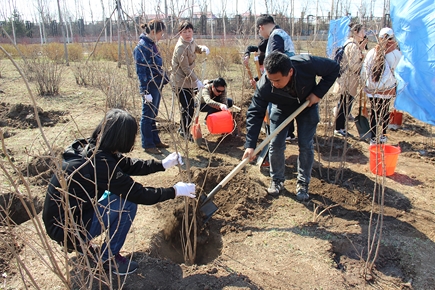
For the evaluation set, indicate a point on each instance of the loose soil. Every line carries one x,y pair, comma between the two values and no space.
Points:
254,240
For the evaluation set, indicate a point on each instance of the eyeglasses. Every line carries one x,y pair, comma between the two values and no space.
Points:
219,91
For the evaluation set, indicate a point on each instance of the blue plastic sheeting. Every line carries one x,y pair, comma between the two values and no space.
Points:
337,35
414,27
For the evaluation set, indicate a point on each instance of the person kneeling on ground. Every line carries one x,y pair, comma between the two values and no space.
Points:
96,192
214,97
289,82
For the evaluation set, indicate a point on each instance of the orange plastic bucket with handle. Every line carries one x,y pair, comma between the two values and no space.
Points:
220,122
383,156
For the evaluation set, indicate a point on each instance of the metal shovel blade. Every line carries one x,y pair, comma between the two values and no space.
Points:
363,127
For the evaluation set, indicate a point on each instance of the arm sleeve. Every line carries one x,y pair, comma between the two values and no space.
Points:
114,174
141,56
277,43
251,48
183,61
354,56
254,119
206,96
328,70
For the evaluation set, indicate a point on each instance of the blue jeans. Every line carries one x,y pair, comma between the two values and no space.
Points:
307,122
117,215
148,128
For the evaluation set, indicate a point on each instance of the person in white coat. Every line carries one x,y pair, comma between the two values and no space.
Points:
380,83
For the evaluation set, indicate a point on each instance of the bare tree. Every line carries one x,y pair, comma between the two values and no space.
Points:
42,8
62,27
104,20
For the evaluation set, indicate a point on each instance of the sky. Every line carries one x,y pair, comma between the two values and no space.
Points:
92,9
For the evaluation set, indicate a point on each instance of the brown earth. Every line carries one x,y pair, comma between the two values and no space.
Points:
254,241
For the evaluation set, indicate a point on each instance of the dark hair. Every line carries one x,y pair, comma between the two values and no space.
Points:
355,27
278,62
264,19
185,25
117,131
154,25
219,82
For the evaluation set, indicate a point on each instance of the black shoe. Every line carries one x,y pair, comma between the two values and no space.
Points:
275,187
153,150
302,191
189,136
121,265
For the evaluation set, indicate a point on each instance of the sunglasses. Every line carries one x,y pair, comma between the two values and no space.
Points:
219,91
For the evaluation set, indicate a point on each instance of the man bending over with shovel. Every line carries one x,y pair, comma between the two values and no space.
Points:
287,84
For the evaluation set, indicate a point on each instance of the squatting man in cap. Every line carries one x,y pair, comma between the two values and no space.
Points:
287,83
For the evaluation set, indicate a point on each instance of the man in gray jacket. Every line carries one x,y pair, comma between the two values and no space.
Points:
289,82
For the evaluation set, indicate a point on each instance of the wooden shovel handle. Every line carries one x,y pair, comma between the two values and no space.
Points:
257,64
256,151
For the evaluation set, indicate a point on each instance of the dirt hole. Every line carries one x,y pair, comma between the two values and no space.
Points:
241,199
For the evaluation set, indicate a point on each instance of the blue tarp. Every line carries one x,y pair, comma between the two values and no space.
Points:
414,27
337,35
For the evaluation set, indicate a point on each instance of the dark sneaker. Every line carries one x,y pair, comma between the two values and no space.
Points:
275,187
302,191
162,145
121,265
152,150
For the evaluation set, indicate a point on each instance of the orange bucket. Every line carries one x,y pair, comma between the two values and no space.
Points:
220,122
387,153
396,118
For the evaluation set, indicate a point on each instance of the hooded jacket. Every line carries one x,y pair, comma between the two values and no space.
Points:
149,63
88,176
303,82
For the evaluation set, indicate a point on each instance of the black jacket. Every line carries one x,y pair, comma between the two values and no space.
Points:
306,70
104,171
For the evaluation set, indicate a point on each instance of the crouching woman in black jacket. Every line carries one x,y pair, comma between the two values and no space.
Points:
96,192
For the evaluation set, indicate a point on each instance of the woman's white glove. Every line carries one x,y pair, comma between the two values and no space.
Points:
171,160
204,49
223,107
147,98
185,189
199,84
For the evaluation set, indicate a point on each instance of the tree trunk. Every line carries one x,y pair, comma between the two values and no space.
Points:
62,27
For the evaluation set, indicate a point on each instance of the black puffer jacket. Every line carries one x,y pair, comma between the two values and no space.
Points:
96,174
306,70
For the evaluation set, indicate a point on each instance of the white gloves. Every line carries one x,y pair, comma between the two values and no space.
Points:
147,98
223,107
171,160
185,189
199,84
204,49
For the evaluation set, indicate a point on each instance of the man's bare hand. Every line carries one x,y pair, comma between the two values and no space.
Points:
249,153
313,99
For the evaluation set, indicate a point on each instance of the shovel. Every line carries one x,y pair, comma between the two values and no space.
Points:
207,207
361,122
248,69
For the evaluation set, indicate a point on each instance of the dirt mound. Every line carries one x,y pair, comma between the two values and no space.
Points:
23,116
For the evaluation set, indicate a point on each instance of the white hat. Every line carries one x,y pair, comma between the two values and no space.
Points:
386,30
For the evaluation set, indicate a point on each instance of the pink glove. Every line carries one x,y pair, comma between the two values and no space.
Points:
185,189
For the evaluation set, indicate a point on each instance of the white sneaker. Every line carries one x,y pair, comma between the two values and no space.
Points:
373,141
383,139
